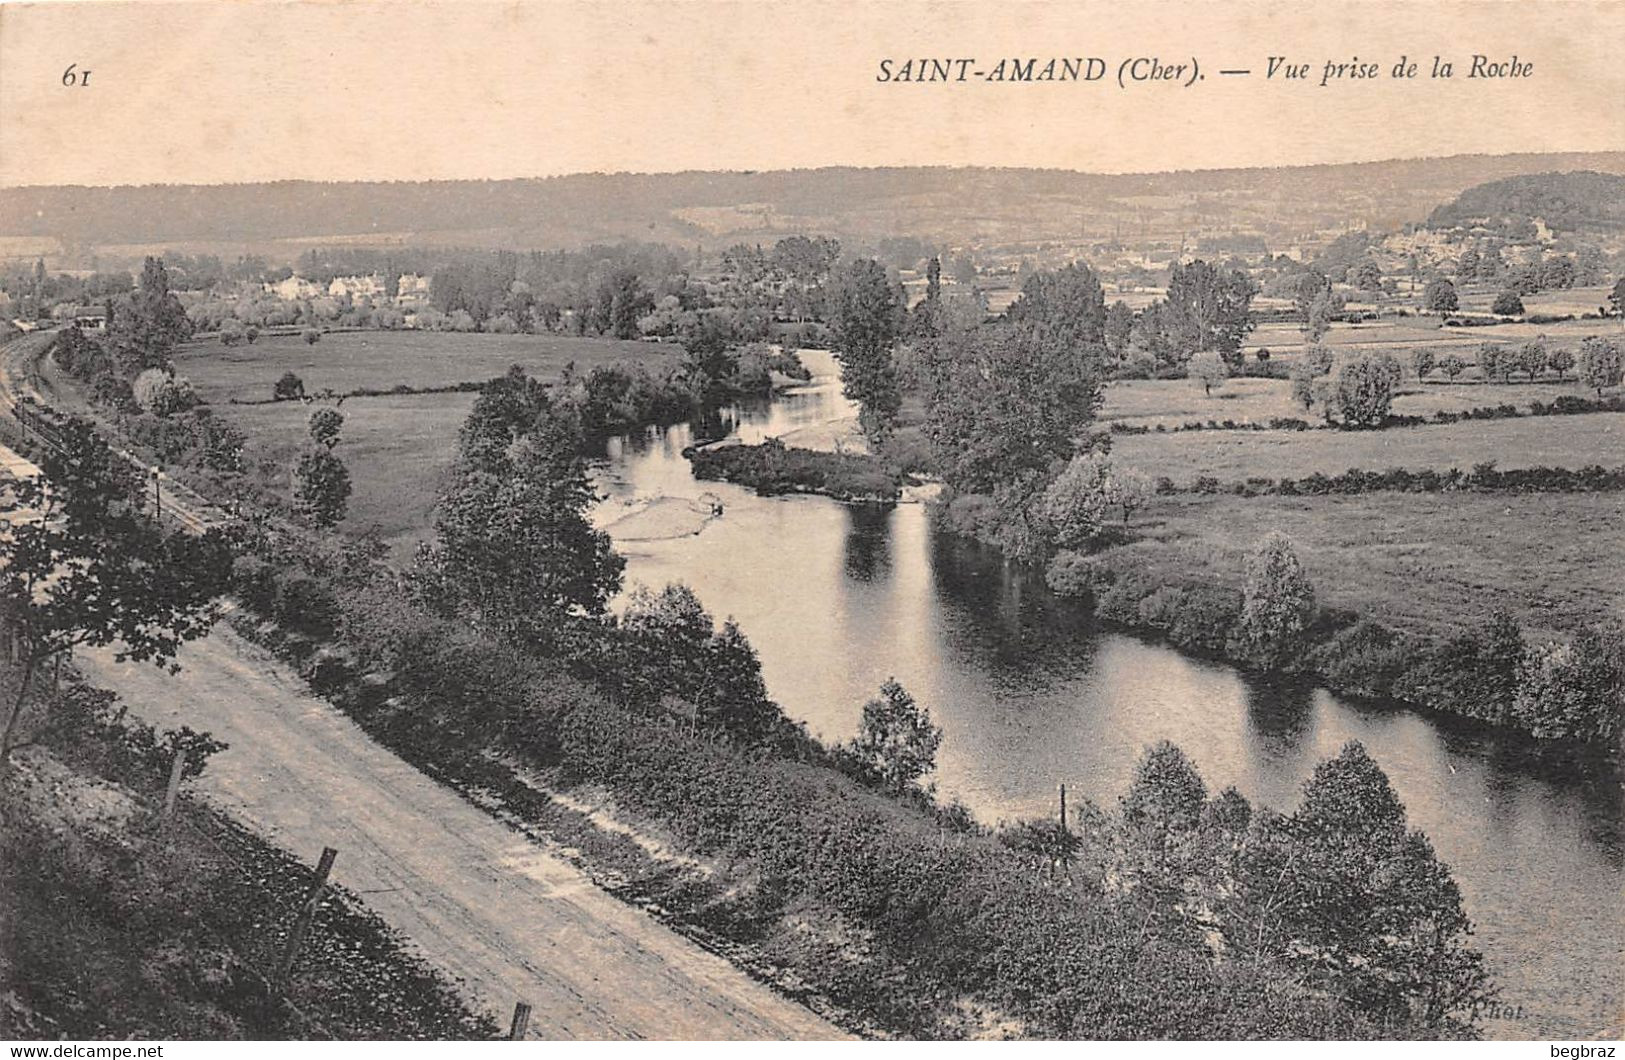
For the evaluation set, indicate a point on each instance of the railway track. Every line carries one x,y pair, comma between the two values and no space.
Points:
39,422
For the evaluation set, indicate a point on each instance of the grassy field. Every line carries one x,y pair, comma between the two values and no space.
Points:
1400,335
1232,456
396,448
1425,562
1577,300
347,360
1174,401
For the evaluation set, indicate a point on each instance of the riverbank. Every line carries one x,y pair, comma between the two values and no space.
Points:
827,903
1181,582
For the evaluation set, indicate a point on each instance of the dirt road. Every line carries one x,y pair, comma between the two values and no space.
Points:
486,905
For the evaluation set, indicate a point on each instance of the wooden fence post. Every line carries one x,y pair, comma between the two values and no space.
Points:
1063,805
521,1021
176,769
296,937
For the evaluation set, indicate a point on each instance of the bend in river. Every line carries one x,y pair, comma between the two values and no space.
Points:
1031,693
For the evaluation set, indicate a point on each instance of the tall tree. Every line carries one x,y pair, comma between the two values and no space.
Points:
709,360
321,482
865,317
1067,303
1278,603
1358,903
1119,326
1005,403
148,326
896,739
515,553
82,564
1213,308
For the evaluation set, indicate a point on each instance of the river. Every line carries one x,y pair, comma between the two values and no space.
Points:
1031,694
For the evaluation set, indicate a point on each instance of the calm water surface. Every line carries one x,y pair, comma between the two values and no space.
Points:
1030,694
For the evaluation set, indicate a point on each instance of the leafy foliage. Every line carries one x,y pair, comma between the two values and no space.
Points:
865,318
1277,606
1365,389
896,739
85,566
514,551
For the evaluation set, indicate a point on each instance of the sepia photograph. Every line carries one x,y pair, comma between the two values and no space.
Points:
705,521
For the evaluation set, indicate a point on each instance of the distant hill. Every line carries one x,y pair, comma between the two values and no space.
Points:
1569,203
1008,210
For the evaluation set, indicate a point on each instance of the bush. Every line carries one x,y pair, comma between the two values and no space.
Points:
162,393
1573,691
1365,388
1205,617
1071,574
1364,659
1139,366
1120,602
1507,304
288,388
1075,506
306,604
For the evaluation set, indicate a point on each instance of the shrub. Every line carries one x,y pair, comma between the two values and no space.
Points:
1365,389
288,388
1205,619
1507,304
1120,602
1074,507
1364,659
1278,604
162,393
1071,574
1573,691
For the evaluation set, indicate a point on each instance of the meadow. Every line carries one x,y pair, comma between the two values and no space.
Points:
1400,335
1427,563
1234,456
345,360
396,448
1171,402
396,445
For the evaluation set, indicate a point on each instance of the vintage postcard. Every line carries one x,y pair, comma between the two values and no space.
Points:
696,520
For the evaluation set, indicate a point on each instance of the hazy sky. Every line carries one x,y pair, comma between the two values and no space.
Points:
233,91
